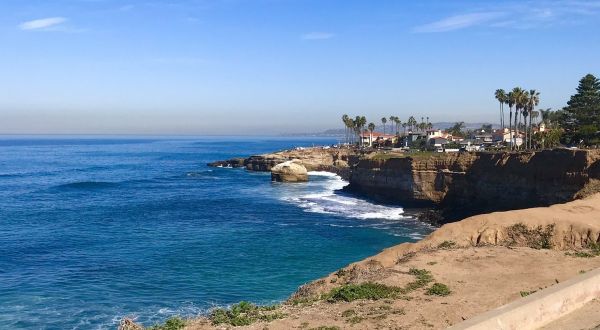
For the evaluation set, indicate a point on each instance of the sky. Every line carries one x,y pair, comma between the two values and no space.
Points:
280,66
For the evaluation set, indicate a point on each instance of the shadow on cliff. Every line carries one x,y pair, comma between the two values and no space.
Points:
508,181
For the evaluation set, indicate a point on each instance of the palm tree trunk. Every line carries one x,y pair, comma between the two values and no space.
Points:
525,126
516,127
510,136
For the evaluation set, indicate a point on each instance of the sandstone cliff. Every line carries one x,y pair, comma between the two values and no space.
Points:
465,184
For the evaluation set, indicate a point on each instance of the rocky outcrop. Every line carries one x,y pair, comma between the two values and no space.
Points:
465,184
334,160
232,163
289,172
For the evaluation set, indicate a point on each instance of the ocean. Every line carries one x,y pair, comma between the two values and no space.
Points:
96,228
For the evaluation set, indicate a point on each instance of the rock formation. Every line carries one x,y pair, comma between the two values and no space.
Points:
289,172
465,184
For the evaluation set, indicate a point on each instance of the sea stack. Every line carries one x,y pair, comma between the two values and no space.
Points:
289,172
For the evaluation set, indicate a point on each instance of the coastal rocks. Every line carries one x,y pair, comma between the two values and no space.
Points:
230,163
289,172
465,184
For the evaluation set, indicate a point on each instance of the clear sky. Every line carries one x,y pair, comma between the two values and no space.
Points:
274,66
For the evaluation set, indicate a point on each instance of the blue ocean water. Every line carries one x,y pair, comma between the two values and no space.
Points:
96,228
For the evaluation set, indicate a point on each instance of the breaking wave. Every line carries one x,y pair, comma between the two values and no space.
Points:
322,195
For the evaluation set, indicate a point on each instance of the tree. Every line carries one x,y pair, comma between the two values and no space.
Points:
397,122
345,121
502,98
371,128
457,129
383,121
520,99
511,103
412,122
532,102
581,116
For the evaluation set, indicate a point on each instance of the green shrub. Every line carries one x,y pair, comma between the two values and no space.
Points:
376,291
355,319
526,293
348,313
174,323
438,289
369,290
423,278
536,238
447,245
245,313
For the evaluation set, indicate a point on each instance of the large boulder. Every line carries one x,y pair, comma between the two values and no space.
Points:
289,172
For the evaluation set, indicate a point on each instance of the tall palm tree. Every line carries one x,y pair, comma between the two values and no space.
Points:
411,122
520,100
404,127
511,100
345,120
371,129
501,97
397,121
534,101
383,121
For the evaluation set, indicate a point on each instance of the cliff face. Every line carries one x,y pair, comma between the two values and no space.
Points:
471,183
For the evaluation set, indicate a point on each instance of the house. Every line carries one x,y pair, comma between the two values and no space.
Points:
411,137
472,144
371,138
438,143
486,138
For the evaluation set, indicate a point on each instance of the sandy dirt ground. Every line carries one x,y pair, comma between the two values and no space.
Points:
480,278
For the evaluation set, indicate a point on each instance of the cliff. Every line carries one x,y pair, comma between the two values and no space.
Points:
465,184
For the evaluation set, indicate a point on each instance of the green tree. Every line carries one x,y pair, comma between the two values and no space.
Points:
383,121
501,96
457,129
345,119
371,128
532,101
581,116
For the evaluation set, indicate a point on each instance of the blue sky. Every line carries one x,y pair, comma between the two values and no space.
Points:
274,66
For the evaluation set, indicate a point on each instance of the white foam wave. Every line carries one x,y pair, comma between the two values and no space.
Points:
321,195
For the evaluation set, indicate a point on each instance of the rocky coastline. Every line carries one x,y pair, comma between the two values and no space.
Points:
462,269
450,186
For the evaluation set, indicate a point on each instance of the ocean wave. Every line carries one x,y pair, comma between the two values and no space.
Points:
322,195
87,185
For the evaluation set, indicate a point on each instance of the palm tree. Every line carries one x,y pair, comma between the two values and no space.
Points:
371,129
404,127
383,121
534,115
534,100
411,122
345,120
501,97
511,100
397,121
519,99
